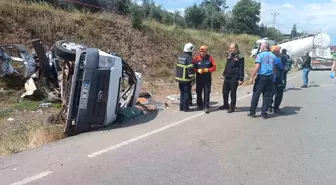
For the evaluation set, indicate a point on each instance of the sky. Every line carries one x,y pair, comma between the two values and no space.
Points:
311,15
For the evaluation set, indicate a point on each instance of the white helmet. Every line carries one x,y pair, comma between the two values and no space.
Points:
188,47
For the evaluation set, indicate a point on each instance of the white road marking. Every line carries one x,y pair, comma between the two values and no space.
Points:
33,178
100,152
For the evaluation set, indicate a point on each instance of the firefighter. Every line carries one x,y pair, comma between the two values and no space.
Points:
277,82
184,76
262,78
204,65
233,76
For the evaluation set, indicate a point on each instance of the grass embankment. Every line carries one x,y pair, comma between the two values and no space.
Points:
151,50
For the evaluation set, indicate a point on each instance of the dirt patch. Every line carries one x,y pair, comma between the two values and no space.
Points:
20,124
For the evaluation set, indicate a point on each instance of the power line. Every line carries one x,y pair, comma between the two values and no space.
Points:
274,14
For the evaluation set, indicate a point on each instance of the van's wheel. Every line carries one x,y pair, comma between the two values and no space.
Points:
67,49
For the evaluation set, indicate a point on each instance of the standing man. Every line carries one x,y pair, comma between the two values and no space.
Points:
277,82
287,64
306,67
184,75
333,69
233,76
204,65
262,78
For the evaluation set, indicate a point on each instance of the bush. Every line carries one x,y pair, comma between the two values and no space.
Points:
136,16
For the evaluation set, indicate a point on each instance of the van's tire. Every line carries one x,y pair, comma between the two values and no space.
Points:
66,49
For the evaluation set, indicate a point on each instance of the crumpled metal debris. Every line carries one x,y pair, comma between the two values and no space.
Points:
5,66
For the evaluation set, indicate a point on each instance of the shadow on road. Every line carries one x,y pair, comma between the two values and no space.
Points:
293,89
213,103
137,121
313,86
288,111
131,122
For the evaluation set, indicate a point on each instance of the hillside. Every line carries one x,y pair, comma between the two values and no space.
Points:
152,51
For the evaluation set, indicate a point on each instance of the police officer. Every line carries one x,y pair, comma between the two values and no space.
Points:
277,82
204,66
184,75
262,78
233,76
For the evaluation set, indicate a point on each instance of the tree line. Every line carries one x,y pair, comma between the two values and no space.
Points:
208,15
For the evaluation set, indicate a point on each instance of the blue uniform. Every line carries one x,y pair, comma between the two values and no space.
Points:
264,82
278,75
267,60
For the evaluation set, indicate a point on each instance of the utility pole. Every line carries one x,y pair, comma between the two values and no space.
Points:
274,14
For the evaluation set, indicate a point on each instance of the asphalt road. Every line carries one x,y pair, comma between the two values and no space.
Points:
193,148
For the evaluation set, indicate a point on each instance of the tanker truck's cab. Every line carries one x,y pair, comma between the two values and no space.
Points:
321,58
256,46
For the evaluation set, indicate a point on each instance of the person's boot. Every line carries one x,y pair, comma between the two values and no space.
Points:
251,114
188,110
270,109
264,115
279,111
206,110
224,107
231,110
304,86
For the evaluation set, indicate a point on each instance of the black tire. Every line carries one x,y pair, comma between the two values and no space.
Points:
65,53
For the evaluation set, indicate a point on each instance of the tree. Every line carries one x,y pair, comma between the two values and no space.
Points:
246,15
217,4
294,31
156,12
136,16
146,5
195,16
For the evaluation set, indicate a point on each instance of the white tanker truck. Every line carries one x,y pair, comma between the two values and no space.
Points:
316,44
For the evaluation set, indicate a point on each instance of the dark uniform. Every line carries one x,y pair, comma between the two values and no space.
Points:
277,87
233,73
203,80
287,64
263,83
184,75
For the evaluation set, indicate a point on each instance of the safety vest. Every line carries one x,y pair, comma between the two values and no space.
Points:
182,69
203,62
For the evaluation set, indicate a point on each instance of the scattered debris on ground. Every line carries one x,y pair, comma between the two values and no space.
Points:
48,81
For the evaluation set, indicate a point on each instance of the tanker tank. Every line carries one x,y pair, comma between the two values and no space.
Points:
298,47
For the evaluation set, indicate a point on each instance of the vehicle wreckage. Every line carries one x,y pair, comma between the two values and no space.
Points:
92,84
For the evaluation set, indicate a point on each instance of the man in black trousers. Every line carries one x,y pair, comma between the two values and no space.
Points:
184,76
233,76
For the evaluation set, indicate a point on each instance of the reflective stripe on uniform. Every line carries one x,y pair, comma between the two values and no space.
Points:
185,78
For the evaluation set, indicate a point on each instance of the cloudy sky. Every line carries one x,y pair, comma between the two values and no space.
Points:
311,15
